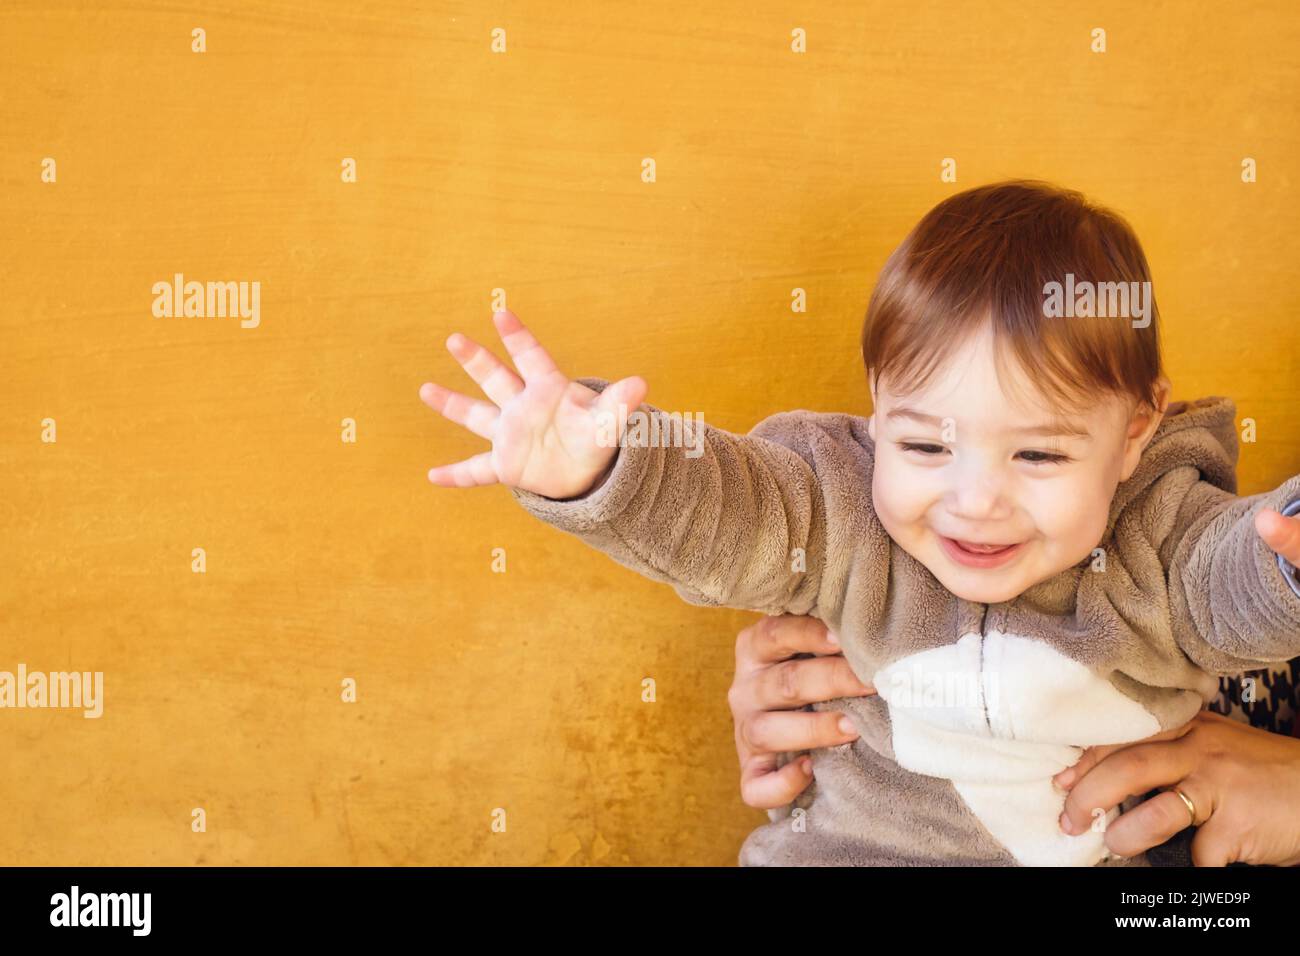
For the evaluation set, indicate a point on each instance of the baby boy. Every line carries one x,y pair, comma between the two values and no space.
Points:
1027,548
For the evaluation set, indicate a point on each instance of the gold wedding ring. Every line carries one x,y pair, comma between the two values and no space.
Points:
1191,807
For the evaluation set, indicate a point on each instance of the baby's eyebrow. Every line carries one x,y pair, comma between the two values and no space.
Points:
1057,428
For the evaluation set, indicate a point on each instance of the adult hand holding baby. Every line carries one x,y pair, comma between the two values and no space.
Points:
549,435
770,685
1243,782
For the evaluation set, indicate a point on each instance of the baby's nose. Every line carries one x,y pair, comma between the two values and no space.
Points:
979,497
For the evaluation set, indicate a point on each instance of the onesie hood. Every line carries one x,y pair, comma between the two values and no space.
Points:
1201,433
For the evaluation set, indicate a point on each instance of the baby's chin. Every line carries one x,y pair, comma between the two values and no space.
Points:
984,592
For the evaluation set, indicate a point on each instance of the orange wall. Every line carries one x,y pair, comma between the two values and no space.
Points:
521,171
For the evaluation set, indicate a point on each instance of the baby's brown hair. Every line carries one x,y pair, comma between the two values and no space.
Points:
986,255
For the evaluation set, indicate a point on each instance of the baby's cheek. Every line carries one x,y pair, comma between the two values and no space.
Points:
1075,530
901,513
882,498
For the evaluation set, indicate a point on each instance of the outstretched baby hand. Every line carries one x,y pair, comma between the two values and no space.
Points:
1280,533
549,435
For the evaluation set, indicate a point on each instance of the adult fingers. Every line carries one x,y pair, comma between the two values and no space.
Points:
1154,821
1217,843
801,681
764,785
1126,773
771,731
1092,756
476,415
779,638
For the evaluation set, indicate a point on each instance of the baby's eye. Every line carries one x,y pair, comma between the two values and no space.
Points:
925,449
1046,458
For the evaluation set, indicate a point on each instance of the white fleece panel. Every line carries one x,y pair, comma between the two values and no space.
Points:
999,715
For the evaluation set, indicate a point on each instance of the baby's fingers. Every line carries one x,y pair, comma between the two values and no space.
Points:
498,382
533,361
623,396
466,474
477,416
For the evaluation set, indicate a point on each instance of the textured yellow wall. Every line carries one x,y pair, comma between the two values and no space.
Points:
518,170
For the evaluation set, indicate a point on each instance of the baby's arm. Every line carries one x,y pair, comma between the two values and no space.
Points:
729,520
1234,593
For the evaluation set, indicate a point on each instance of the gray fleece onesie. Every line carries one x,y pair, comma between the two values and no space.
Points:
978,705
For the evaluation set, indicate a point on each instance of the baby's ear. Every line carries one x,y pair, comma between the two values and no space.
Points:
1144,418
1143,422
1162,390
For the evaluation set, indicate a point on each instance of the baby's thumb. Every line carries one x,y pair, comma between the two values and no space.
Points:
1280,533
619,400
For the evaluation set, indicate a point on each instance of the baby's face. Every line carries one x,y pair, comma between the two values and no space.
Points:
983,479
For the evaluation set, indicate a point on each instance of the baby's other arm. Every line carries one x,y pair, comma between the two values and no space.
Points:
1234,591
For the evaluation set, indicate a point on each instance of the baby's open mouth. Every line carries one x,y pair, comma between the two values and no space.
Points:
979,554
974,548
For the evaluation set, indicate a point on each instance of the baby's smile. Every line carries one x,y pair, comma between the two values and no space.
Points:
974,555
